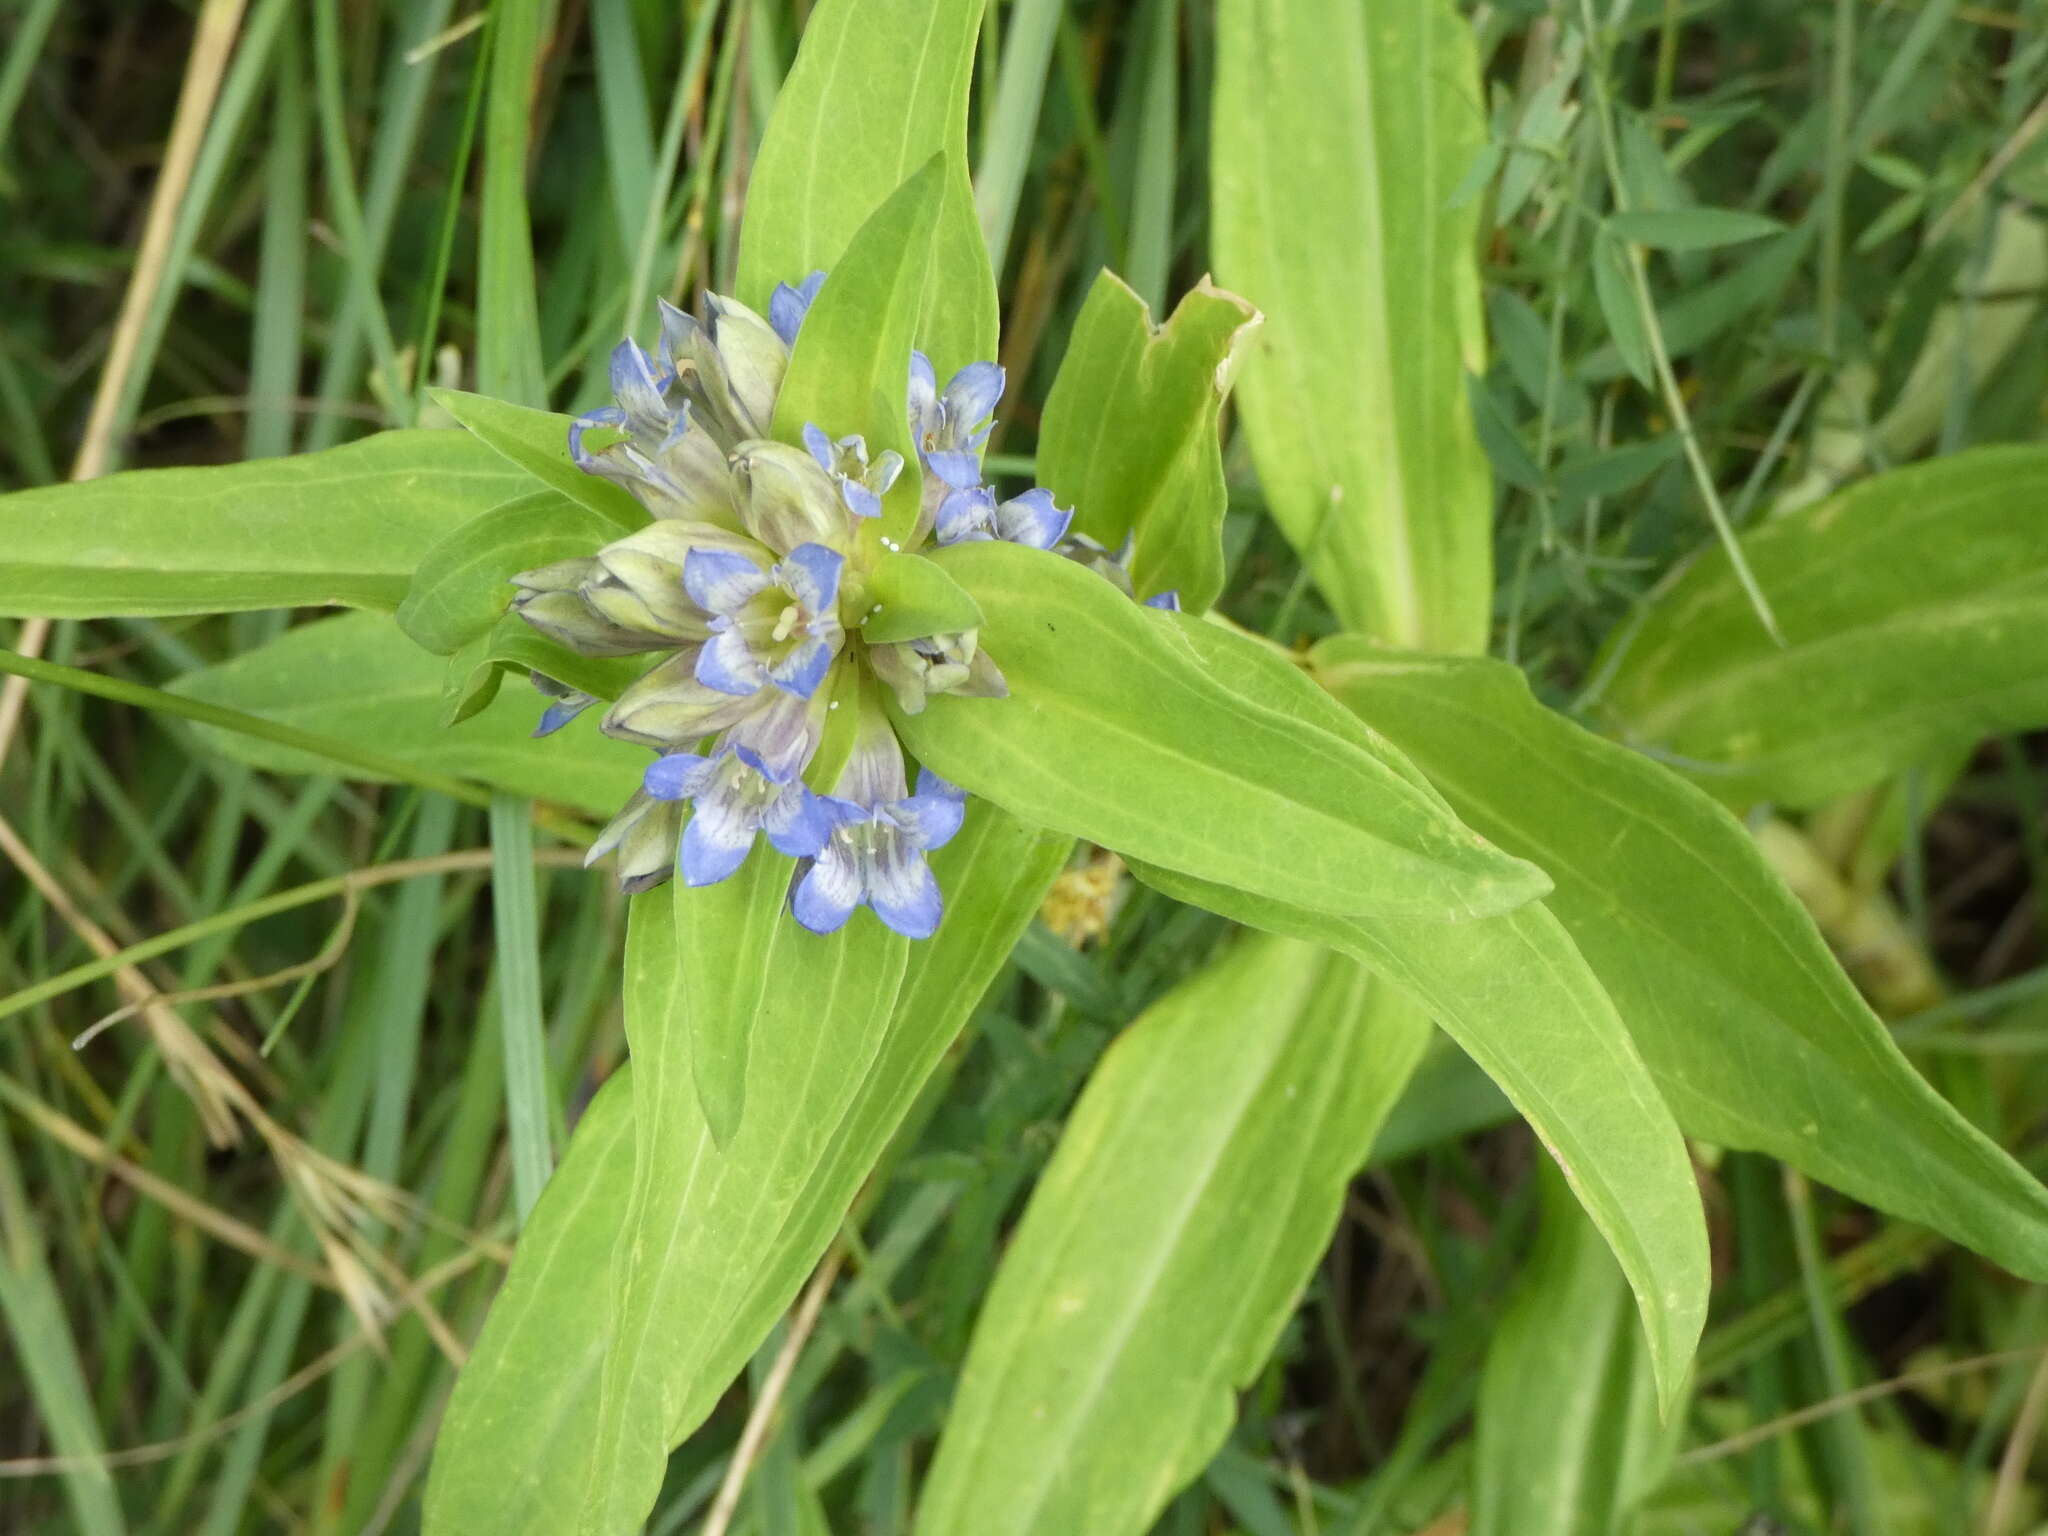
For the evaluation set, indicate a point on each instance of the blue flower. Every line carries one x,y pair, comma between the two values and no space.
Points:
861,485
950,425
658,447
787,306
974,514
779,625
736,794
875,856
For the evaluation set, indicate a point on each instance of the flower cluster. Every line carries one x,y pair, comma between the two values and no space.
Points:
752,578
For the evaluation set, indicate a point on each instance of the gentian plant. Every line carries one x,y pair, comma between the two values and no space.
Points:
803,646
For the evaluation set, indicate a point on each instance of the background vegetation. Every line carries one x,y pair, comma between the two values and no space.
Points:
203,1208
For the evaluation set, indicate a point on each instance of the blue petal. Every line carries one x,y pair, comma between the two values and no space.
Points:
714,846
821,447
635,386
810,574
938,808
728,665
924,383
884,474
905,893
679,333
959,470
860,501
721,580
828,893
603,416
964,515
676,776
800,672
1033,520
799,824
972,393
787,306
556,715
1169,600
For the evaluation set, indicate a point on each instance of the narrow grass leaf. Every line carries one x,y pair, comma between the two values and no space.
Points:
33,1310
1691,229
515,941
509,365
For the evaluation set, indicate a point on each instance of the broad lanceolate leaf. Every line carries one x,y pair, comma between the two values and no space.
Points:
878,88
1125,726
344,526
1130,437
1915,613
1515,993
463,584
749,1222
1566,1431
357,677
1340,134
850,369
1168,1241
531,1381
538,442
1756,1038
817,1007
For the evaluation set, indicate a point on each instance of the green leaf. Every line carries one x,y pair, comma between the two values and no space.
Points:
513,645
1565,1435
1194,1189
1691,229
509,362
538,442
1130,438
1614,288
813,1005
1340,134
878,88
1756,1038
1515,993
851,366
748,1223
357,677
344,526
531,1381
1176,743
913,598
1914,608
462,584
